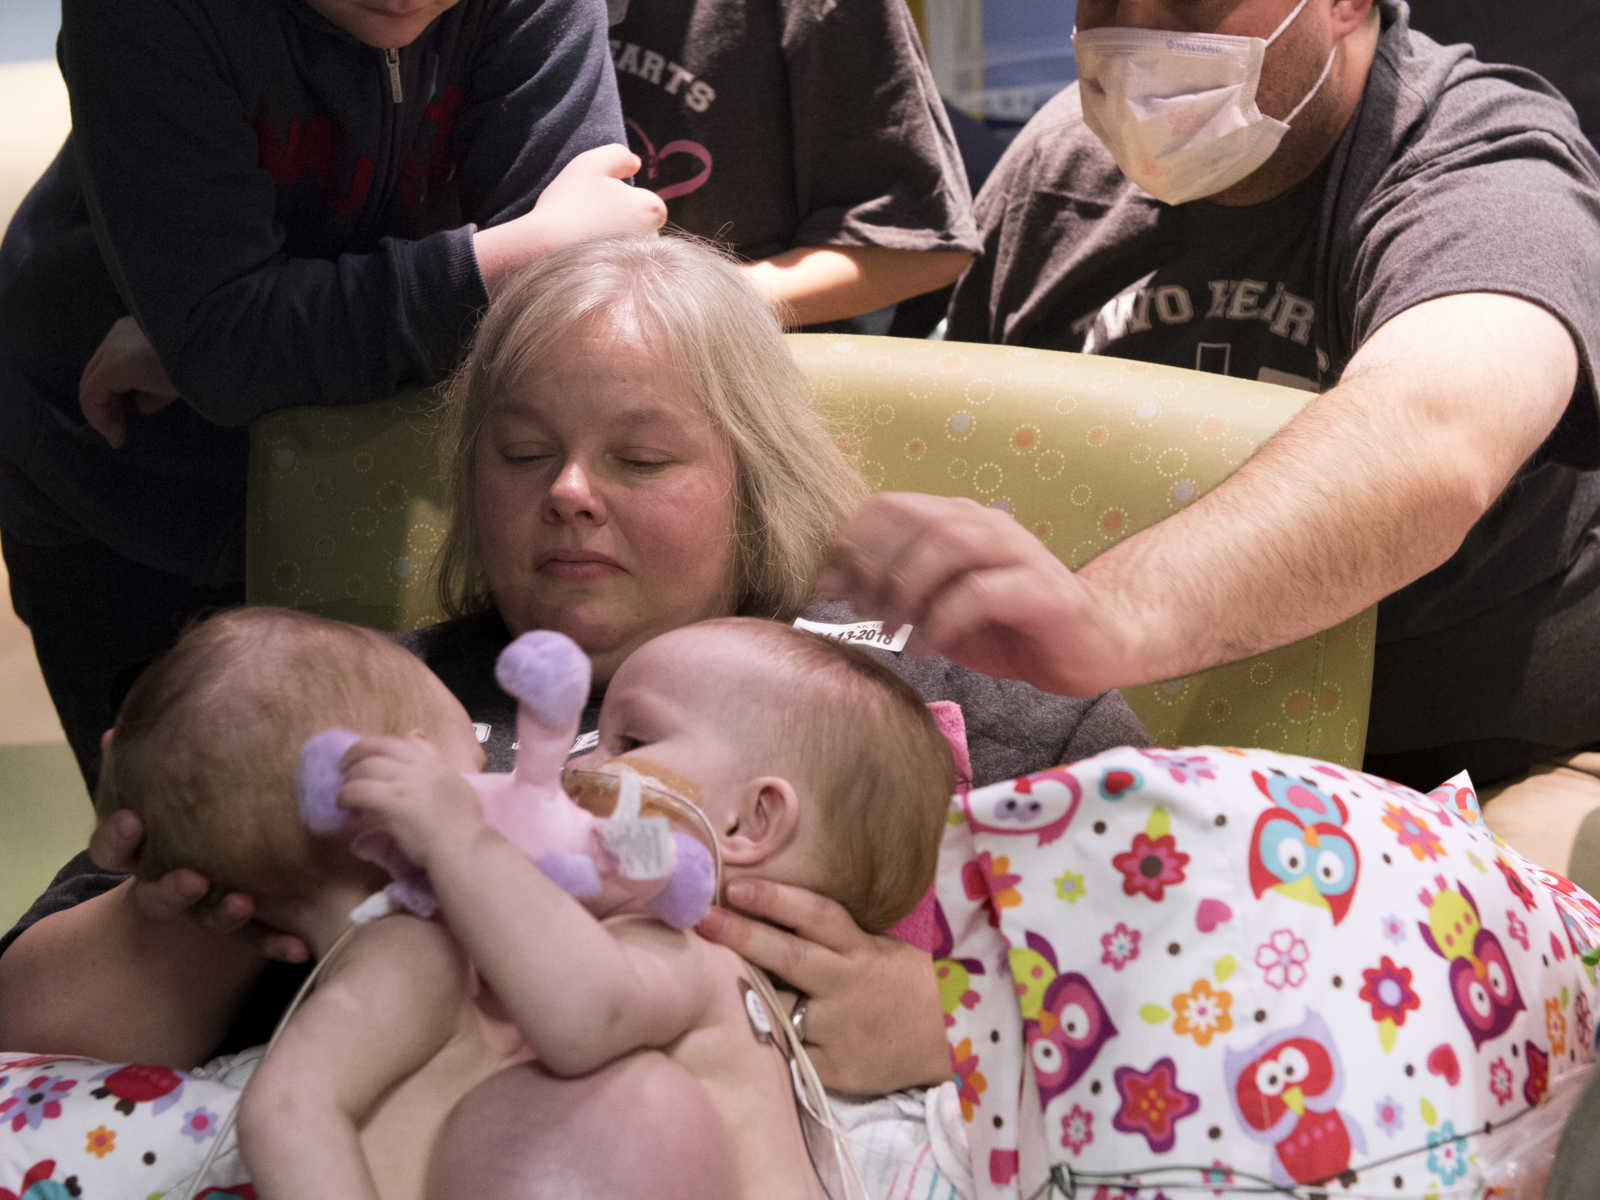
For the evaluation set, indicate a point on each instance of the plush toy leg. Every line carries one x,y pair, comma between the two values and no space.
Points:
548,675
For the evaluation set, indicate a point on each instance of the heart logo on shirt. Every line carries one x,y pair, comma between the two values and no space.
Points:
654,161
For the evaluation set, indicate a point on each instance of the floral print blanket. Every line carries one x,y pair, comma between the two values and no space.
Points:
1213,972
1164,973
81,1129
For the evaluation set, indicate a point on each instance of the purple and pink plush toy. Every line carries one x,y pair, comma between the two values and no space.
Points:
622,863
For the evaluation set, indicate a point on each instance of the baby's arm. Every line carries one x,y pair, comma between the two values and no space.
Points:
387,1004
580,992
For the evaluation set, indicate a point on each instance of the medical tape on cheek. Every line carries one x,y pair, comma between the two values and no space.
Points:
642,846
647,814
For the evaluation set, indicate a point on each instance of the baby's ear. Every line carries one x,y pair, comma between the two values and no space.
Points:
763,822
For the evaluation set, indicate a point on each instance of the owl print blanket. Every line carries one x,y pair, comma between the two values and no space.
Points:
1221,972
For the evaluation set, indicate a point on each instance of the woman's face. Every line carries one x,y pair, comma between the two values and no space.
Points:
604,501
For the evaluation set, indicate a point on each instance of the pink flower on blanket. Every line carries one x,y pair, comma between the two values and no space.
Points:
1387,990
1077,1129
1412,832
1500,1082
36,1101
1219,1175
1119,947
1151,865
1282,959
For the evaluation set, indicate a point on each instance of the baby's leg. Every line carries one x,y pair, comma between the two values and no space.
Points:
639,1126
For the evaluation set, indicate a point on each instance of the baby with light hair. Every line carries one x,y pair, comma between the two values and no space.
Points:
654,1051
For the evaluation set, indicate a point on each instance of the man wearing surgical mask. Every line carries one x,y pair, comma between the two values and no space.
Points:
1312,193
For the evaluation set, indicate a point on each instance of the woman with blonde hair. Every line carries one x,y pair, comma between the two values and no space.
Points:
682,305
630,449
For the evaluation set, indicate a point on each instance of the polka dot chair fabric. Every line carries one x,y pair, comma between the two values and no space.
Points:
346,511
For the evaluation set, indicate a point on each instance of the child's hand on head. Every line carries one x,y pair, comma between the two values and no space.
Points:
589,198
406,787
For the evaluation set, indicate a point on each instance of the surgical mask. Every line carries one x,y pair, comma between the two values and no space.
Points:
1178,110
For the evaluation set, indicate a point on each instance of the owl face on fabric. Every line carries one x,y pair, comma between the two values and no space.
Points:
1042,804
1285,1090
1481,982
1072,1026
1299,847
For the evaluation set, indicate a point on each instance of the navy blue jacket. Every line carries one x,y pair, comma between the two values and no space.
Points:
288,213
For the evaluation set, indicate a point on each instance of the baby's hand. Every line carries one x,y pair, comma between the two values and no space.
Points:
406,788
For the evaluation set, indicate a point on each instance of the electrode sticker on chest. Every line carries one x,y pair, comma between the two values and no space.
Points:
756,1011
866,633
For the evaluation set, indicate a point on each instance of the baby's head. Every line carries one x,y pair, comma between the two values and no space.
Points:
816,764
206,743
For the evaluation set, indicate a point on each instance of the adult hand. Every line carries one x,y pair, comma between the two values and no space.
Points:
873,1022
981,590
114,845
589,198
124,371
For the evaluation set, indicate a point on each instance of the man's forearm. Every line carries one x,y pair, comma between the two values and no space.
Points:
1373,485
